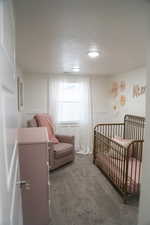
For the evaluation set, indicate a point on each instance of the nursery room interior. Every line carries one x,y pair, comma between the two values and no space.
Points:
74,112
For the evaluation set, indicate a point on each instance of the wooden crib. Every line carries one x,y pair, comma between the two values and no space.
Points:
118,151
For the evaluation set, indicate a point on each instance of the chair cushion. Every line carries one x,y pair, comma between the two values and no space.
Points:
62,150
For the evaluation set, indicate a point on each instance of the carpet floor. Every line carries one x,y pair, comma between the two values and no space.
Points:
81,195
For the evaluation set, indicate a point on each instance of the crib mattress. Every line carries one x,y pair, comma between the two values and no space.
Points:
116,170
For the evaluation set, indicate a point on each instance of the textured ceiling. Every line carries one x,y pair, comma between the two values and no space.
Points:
54,35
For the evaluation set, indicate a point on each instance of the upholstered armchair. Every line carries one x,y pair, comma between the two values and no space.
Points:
60,153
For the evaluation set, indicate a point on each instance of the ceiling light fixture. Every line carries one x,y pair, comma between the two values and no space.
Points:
93,54
76,69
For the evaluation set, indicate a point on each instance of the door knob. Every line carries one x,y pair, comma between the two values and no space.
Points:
24,183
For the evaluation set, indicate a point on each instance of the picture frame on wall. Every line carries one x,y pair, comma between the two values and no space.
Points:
20,88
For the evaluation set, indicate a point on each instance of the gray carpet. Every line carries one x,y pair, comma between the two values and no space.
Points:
81,195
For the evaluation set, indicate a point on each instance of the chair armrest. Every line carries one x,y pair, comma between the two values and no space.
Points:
65,138
51,154
50,145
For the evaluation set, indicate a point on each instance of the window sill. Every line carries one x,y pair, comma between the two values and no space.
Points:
69,124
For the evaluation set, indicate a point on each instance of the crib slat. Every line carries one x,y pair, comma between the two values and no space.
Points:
114,159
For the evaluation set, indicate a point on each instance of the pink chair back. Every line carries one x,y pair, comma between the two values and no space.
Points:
44,120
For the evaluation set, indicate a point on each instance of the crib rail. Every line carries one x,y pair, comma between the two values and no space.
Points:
134,127
106,130
110,129
122,165
134,162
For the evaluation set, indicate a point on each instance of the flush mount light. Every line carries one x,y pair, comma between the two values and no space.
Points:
76,69
93,54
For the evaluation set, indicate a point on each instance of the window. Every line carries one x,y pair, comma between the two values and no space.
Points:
68,103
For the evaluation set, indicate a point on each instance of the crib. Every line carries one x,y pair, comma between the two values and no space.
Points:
118,151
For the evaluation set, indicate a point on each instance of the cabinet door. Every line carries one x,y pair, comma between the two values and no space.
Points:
33,166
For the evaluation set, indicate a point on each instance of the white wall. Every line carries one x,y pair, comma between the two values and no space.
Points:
100,98
144,208
36,101
134,105
36,96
